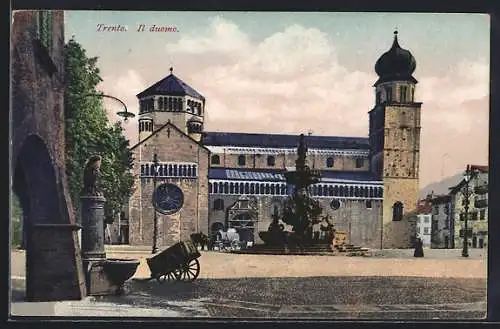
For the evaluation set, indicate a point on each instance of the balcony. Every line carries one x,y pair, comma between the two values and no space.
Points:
480,203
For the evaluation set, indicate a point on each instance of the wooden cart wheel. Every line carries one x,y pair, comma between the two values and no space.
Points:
166,277
170,276
189,271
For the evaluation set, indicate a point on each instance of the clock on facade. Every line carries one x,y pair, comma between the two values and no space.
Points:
168,199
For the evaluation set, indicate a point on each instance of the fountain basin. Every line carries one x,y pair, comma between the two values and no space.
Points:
120,270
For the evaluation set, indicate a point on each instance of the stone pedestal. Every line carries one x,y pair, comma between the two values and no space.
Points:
92,210
92,239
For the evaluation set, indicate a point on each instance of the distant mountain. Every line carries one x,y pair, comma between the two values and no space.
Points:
440,187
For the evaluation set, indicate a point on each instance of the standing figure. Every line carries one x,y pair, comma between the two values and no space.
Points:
419,248
91,176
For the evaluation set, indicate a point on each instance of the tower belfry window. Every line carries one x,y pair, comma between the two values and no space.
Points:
388,94
403,94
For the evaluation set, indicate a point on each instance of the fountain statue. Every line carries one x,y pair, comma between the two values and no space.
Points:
300,210
103,276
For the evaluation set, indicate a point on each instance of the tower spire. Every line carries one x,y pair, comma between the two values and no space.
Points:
171,70
395,43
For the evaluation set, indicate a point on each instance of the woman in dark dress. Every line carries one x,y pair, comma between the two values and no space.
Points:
419,248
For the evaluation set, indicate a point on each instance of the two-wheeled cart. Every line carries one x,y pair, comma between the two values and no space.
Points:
178,262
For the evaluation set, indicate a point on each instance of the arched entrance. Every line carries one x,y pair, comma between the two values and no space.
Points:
52,269
242,216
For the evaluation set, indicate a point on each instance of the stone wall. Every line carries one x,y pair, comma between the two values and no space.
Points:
283,160
362,225
54,269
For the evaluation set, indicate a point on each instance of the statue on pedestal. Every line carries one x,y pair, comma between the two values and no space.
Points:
91,176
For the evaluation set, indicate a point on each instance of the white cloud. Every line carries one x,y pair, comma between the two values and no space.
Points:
293,81
270,85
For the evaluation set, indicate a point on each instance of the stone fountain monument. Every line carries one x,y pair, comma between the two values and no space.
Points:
301,212
103,276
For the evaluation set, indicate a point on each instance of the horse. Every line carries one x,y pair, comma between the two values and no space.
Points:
200,240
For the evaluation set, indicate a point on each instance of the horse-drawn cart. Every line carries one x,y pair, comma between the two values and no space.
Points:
178,262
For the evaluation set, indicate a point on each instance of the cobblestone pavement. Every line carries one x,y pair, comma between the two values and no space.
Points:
262,286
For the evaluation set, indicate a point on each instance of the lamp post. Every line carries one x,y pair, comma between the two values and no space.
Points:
466,193
124,114
155,216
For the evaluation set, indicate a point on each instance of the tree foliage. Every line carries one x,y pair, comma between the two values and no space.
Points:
89,132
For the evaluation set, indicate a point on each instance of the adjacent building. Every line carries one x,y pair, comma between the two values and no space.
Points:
423,222
477,212
441,232
206,181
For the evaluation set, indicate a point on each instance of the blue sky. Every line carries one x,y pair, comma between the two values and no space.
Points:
291,72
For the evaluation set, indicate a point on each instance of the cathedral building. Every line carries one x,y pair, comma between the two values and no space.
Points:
206,181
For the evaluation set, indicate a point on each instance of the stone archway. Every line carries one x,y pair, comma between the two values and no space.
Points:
53,270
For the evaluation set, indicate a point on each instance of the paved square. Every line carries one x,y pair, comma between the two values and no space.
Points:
390,285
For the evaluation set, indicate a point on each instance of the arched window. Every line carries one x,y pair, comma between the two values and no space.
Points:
170,170
247,188
272,188
231,188
184,170
388,94
241,160
189,171
333,190
341,191
210,188
216,188
283,189
371,192
215,159
219,204
236,188
160,103
226,188
397,211
170,105
175,170
329,162
147,169
252,188
271,161
351,191
142,170
242,188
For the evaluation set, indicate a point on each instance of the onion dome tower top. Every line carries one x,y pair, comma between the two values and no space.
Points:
396,64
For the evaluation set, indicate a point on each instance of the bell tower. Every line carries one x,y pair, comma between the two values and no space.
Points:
395,139
171,99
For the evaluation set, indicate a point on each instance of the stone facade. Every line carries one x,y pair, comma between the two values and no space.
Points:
358,219
54,269
193,215
380,171
282,160
478,211
441,223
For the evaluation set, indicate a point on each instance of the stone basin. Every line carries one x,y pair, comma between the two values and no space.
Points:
120,270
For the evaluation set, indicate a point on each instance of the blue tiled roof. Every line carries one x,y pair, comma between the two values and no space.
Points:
283,141
170,85
279,175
